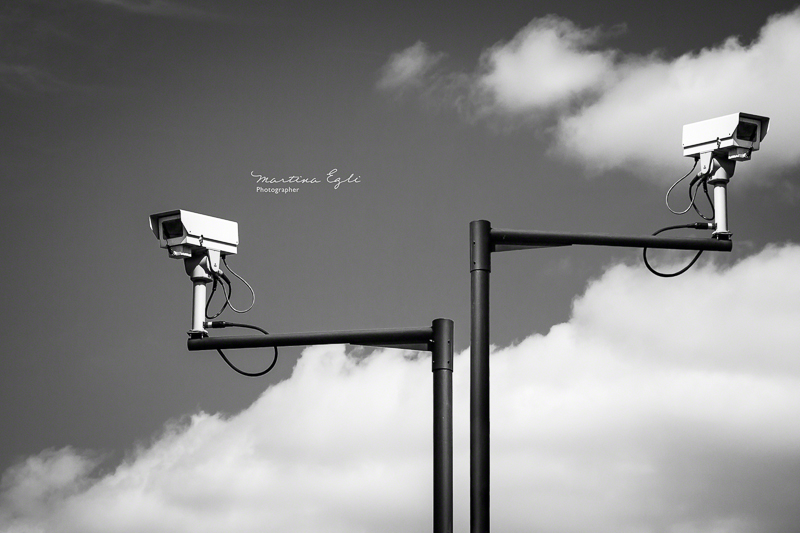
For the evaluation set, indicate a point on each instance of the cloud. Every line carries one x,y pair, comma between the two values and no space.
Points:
645,412
547,64
637,121
408,67
50,476
608,110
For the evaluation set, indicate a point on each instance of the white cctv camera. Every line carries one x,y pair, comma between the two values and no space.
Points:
183,233
734,136
199,240
718,143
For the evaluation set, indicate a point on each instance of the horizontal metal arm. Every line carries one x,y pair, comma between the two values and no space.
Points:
410,339
506,240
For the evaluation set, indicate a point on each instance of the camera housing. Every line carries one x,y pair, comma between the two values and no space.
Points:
200,240
733,137
183,233
717,144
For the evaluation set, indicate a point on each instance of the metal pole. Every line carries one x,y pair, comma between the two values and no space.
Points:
484,241
720,206
198,305
509,239
411,339
438,339
480,268
442,363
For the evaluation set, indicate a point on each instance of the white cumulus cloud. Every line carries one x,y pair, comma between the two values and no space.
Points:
408,67
637,121
660,406
609,110
548,63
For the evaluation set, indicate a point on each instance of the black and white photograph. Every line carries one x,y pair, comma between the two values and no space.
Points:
394,267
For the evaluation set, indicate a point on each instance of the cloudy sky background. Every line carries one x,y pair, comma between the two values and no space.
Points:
621,402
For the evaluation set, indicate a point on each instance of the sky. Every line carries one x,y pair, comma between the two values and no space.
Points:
621,401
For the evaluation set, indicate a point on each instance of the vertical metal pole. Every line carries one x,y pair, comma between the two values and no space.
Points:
722,170
480,268
198,305
442,362
197,269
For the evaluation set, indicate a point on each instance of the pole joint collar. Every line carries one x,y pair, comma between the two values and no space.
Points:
480,252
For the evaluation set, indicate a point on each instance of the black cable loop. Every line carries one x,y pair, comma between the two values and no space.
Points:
230,288
666,198
704,182
242,372
210,296
684,269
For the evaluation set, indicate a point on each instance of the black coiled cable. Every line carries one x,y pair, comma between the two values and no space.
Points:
695,225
